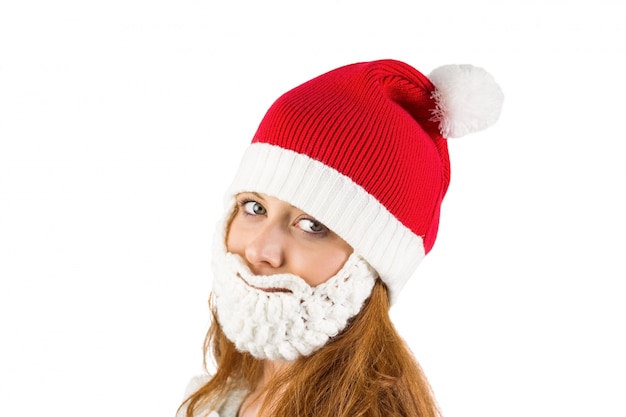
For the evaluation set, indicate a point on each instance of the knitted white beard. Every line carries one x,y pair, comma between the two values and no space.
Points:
285,325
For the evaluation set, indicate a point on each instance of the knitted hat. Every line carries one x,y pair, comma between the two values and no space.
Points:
362,149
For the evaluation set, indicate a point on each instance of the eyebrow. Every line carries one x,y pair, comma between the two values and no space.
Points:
260,197
257,195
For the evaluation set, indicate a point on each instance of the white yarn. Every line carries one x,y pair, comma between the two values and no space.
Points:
285,325
468,99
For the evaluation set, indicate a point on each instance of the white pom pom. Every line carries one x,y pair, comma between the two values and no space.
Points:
468,99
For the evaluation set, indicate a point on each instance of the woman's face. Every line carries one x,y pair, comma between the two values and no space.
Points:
274,237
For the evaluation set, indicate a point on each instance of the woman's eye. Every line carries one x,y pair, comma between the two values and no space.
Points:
254,208
311,226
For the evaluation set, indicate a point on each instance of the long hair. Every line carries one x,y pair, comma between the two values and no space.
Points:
365,371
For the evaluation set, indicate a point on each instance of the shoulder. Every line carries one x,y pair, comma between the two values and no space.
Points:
229,406
232,403
195,383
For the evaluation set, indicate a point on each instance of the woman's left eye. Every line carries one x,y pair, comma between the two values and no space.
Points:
311,226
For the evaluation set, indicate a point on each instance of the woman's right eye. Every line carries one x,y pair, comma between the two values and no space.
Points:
253,208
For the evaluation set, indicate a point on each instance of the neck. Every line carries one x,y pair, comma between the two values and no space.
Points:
252,403
270,369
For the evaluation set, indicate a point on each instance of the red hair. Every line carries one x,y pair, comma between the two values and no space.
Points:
367,370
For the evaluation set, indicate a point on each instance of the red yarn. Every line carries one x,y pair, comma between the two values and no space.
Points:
370,122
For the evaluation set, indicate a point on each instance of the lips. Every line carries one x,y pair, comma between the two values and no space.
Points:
268,289
283,290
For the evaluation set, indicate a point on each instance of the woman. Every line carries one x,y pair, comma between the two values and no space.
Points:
334,205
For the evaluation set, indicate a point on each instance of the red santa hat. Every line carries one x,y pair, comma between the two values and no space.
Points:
363,149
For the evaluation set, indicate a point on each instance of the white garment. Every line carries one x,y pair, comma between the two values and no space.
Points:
229,407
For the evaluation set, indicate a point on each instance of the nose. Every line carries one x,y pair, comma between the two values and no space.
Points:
265,252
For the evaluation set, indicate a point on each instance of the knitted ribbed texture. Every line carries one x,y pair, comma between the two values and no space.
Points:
334,199
370,122
361,149
356,148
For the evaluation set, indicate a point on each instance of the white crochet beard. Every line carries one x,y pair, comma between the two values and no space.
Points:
283,325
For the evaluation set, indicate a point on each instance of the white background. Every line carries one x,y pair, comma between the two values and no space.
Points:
121,123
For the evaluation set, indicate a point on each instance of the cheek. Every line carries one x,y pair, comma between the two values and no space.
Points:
324,265
233,237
